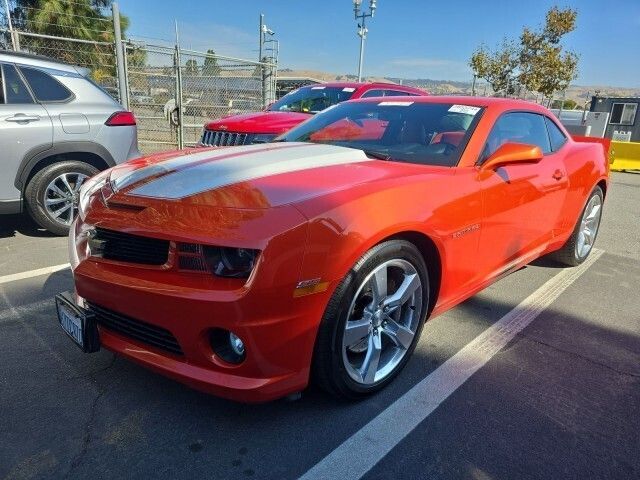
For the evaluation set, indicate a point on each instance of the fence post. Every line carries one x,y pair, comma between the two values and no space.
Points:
178,65
15,39
122,80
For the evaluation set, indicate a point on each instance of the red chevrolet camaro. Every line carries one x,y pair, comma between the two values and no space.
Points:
247,271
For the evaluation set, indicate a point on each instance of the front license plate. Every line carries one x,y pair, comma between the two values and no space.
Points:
71,324
79,324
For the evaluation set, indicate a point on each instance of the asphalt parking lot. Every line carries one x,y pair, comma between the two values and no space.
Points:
560,400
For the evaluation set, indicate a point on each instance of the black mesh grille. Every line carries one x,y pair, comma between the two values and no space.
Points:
129,327
192,263
125,247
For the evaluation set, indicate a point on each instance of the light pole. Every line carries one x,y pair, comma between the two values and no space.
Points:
264,31
362,27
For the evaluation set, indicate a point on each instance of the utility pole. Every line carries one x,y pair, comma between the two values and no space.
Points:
362,27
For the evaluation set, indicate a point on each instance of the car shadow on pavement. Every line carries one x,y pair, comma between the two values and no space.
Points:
10,225
566,381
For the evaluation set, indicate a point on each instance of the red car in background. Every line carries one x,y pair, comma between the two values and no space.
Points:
246,272
293,109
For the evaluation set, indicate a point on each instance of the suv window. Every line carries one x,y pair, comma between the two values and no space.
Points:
556,136
44,86
14,88
518,127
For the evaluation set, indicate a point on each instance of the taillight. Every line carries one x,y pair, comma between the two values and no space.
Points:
121,119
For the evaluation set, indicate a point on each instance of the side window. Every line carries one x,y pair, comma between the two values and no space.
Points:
44,86
397,93
556,136
373,93
623,113
518,127
14,88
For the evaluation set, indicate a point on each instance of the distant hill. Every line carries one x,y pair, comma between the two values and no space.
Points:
579,93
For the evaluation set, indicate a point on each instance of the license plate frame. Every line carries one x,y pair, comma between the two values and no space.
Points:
77,323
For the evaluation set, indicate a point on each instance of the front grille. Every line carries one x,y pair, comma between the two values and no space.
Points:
125,247
129,327
219,138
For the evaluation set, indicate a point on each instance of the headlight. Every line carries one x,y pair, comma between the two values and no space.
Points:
263,137
221,261
88,188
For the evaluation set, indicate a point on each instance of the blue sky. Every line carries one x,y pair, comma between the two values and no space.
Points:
407,38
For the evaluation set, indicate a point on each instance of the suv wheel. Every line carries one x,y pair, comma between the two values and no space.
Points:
52,194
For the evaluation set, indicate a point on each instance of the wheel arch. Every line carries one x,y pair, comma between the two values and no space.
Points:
89,152
431,255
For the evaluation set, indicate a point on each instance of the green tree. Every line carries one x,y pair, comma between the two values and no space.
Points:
545,66
538,62
497,67
211,67
73,19
191,67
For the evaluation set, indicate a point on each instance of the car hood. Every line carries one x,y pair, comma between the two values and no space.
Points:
247,177
241,195
259,122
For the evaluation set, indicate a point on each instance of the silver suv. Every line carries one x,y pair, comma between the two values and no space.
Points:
57,128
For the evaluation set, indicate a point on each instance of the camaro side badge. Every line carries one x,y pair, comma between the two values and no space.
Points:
464,231
307,287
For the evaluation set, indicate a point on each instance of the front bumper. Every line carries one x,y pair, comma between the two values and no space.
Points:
277,328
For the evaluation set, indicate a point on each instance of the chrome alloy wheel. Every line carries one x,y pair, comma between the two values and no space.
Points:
589,226
382,322
61,197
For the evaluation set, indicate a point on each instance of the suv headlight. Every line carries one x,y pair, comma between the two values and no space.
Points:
263,137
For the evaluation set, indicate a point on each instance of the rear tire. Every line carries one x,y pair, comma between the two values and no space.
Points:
52,194
580,243
364,321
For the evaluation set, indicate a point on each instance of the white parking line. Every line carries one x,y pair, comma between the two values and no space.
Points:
32,273
364,449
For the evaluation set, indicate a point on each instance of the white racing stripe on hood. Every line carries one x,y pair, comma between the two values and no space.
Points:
250,166
174,163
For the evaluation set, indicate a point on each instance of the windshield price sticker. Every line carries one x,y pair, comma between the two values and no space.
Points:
348,89
395,104
468,109
317,88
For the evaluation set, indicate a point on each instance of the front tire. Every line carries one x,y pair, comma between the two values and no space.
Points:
373,321
52,194
580,243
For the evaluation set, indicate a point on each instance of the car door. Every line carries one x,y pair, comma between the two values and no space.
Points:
25,129
521,202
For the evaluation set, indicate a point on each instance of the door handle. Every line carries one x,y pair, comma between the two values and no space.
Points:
558,175
21,117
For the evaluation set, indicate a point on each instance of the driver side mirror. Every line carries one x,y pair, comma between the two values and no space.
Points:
512,153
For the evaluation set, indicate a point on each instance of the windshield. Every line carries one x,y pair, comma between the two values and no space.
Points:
404,131
312,99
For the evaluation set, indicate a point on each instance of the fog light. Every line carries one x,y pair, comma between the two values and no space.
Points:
227,345
236,344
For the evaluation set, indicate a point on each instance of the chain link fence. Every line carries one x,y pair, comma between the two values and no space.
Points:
172,91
